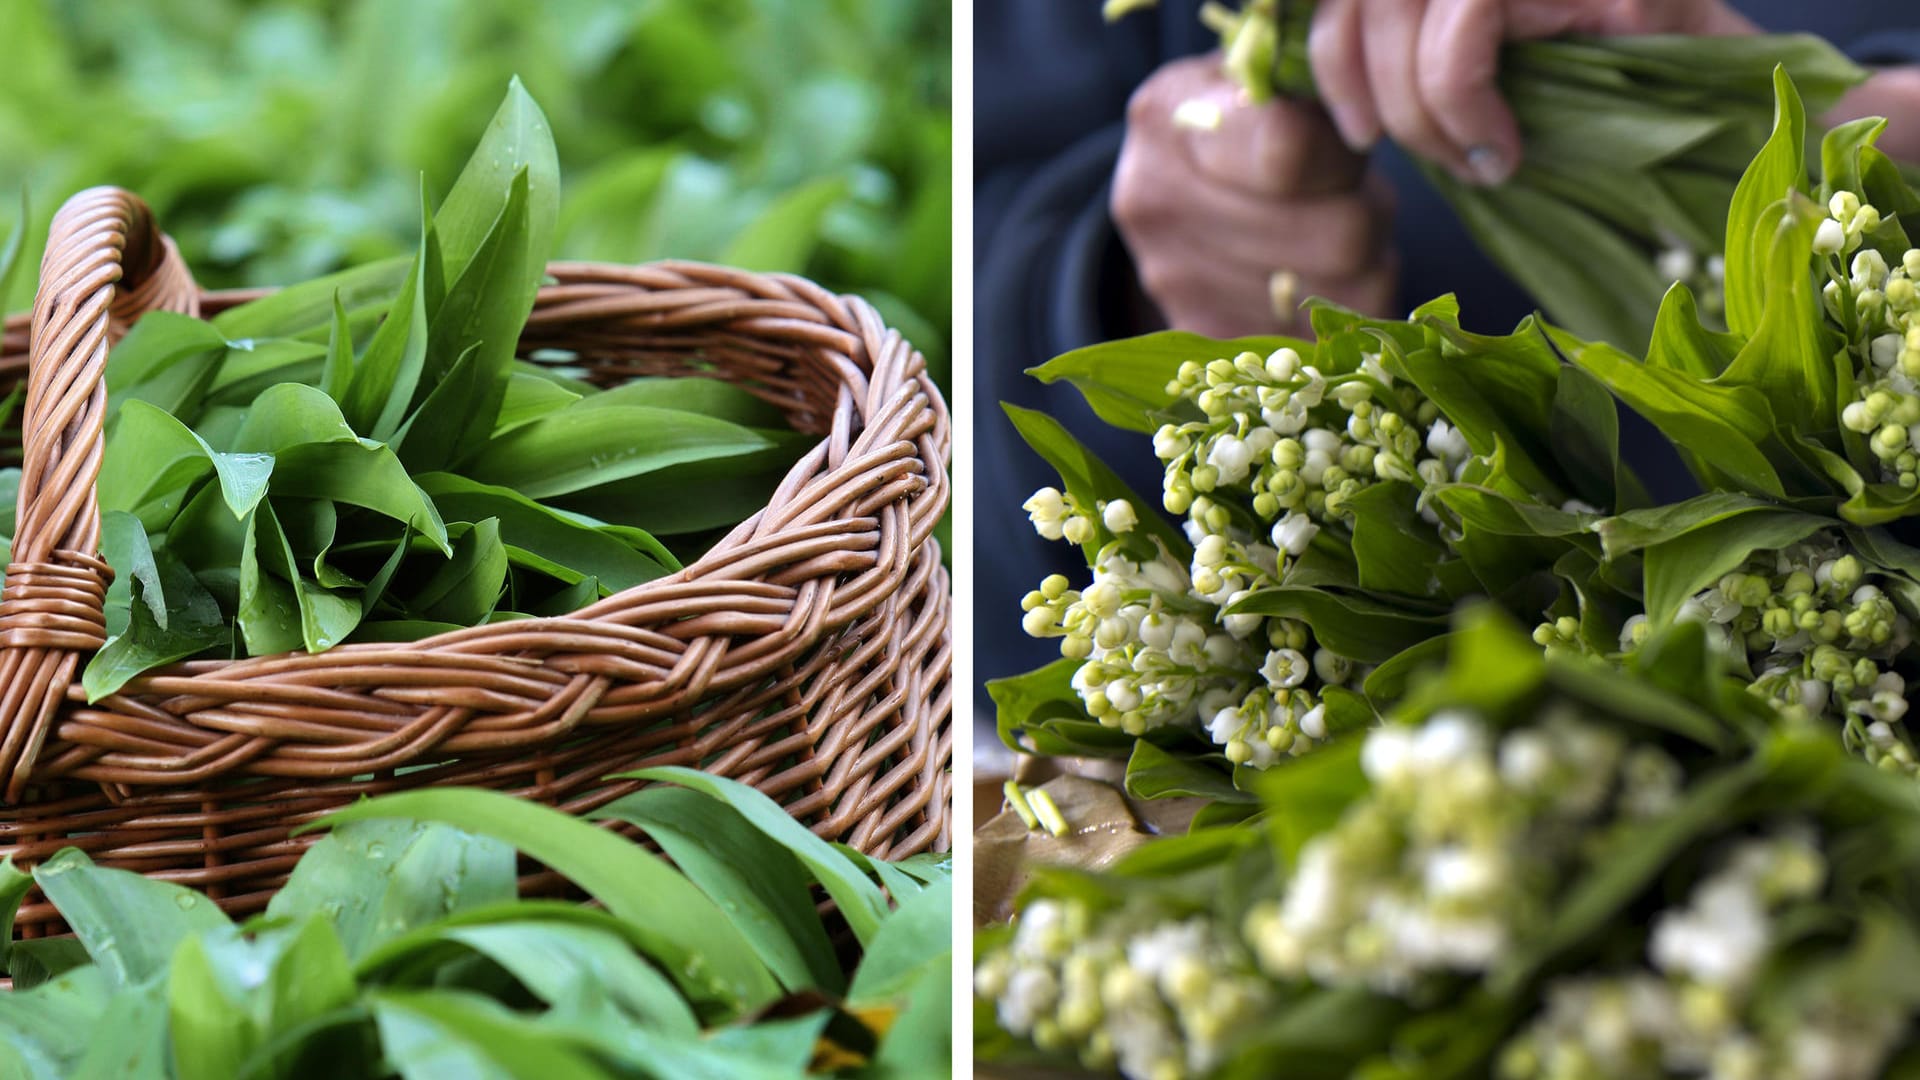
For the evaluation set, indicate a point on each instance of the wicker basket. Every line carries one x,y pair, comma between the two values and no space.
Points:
808,653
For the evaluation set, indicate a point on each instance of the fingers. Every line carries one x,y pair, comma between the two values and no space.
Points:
1423,73
1276,150
1460,57
1340,71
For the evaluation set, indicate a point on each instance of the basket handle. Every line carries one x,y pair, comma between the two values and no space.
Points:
106,264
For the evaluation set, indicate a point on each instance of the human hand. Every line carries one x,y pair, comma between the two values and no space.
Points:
1422,71
1217,216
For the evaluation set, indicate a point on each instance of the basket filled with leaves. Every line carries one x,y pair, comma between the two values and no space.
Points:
461,519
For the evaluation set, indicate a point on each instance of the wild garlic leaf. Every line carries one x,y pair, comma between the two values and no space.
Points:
152,456
167,614
517,139
578,448
578,548
464,589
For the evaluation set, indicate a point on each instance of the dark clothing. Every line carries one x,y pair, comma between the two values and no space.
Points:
1050,90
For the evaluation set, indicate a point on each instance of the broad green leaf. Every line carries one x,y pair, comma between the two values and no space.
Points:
518,139
386,374
729,489
1723,426
464,589
1788,356
151,456
1040,713
363,475
309,306
689,934
374,880
528,398
709,397
210,1034
130,924
473,340
1395,549
748,873
1126,381
337,375
1352,626
1153,773
157,586
584,550
920,1042
310,979
559,962
859,899
167,360
130,1040
1682,566
1089,480
1637,530
577,448
431,1034
1780,168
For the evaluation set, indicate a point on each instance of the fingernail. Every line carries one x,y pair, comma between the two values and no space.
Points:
1356,128
1489,166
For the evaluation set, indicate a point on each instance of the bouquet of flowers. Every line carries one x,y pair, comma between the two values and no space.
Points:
1668,832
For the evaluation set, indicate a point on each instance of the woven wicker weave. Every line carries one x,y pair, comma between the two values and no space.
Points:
807,653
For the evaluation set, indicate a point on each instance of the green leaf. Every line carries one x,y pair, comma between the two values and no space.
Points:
559,963
374,880
165,614
1352,626
528,398
860,901
309,306
167,360
579,448
785,235
1788,356
1126,381
757,881
583,549
426,1035
518,140
211,1037
464,589
1310,795
473,340
1089,480
1040,713
152,456
1682,566
130,924
361,474
691,936
1722,425
1152,773
1779,169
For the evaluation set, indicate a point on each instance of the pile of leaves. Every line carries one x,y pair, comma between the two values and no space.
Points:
363,457
400,948
1633,147
281,141
1340,499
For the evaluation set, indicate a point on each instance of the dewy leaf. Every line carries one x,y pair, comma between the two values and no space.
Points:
326,618
130,924
518,139
426,1035
750,874
860,900
687,932
151,456
375,880
473,340
1780,168
577,448
211,1037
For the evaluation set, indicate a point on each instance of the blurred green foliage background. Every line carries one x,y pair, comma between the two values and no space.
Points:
278,141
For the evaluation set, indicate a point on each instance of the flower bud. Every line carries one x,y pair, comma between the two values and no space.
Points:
1830,237
1119,517
1843,206
1283,365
